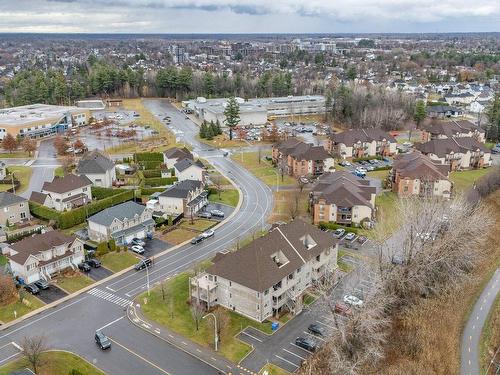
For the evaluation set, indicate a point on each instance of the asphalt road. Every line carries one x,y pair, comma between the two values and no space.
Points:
472,332
71,325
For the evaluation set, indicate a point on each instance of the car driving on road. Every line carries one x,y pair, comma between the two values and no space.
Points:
102,340
353,300
143,264
306,343
197,239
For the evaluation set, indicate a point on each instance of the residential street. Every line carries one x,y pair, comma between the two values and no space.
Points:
72,324
472,332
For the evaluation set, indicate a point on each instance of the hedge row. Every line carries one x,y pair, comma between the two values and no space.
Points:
355,160
101,193
68,219
334,226
159,181
11,238
149,191
150,173
148,156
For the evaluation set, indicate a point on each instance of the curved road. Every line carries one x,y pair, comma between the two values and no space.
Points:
472,332
71,325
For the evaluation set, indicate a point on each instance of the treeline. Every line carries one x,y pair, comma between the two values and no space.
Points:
357,106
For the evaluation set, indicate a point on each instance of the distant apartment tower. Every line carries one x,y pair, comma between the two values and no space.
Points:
179,55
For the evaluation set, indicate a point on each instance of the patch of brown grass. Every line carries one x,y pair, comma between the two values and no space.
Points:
426,340
282,202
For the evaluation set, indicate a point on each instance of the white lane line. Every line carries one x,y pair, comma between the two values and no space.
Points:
110,323
253,337
326,325
9,357
287,361
17,346
108,288
296,355
1,347
307,351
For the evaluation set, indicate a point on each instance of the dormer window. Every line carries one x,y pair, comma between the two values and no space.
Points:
279,259
308,241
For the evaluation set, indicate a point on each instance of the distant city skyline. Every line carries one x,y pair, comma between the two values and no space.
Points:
248,16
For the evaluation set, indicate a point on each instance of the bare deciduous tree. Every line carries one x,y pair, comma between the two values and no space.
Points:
197,312
67,163
33,349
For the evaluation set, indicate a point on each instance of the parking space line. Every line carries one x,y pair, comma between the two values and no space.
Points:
326,325
296,355
287,361
9,357
141,357
307,351
253,337
316,337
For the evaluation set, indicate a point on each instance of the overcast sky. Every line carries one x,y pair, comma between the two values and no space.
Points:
244,16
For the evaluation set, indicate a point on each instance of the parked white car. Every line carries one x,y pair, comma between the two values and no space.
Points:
353,300
137,249
207,234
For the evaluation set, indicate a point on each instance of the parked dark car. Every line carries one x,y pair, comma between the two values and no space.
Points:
32,288
96,263
143,264
316,329
42,284
102,340
84,267
306,343
197,239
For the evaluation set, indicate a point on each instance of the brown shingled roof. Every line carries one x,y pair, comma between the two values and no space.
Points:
67,183
350,137
252,266
417,165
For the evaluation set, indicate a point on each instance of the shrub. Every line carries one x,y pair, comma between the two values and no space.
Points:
149,173
101,193
75,372
112,245
159,181
149,191
148,156
367,158
148,165
102,248
334,226
11,238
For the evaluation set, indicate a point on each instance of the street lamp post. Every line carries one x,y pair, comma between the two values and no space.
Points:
216,338
147,276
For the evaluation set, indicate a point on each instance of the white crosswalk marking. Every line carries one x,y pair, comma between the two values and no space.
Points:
110,297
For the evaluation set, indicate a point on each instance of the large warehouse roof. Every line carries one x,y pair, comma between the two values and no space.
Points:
27,114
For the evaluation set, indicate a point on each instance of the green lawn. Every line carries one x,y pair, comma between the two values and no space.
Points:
273,370
177,236
174,313
227,196
118,261
56,363
14,155
199,225
3,260
23,174
387,220
74,283
463,180
263,170
381,175
59,172
7,312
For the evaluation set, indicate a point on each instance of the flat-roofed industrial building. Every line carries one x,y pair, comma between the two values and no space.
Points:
40,120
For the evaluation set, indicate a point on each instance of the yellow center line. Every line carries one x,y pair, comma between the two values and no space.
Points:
141,357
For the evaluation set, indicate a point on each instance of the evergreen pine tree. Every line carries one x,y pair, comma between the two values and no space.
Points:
203,130
218,127
209,133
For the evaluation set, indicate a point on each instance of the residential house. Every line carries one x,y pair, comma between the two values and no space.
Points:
64,193
443,111
175,154
453,128
464,98
13,209
479,106
297,158
41,255
270,275
122,223
187,169
342,198
415,174
98,168
186,197
360,143
458,153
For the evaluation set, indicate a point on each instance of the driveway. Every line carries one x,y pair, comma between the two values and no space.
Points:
52,294
99,273
221,207
472,332
155,246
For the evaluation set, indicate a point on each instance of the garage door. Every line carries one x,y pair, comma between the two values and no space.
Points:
130,237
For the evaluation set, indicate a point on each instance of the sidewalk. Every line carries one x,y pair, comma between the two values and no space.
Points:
208,356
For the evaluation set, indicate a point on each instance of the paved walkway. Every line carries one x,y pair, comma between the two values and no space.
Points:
208,356
472,332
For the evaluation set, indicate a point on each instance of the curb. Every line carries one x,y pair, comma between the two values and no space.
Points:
119,273
76,355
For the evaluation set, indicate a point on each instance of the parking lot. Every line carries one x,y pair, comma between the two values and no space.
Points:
154,246
53,293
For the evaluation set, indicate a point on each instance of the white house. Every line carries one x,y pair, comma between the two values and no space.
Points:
40,256
99,169
122,222
64,193
187,169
